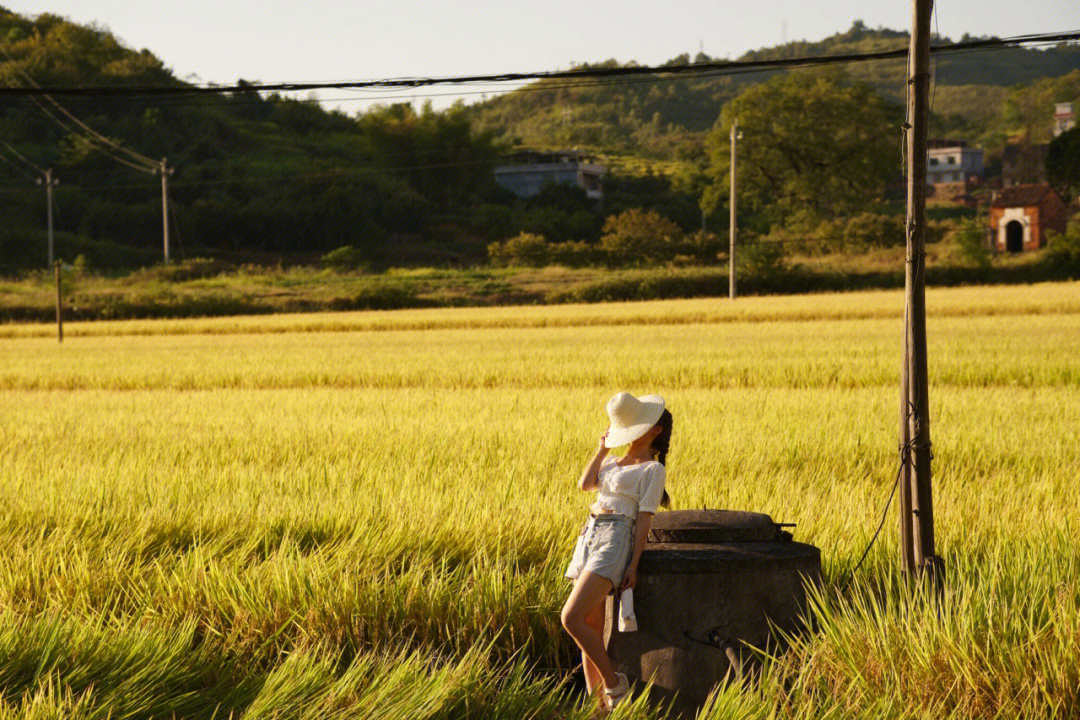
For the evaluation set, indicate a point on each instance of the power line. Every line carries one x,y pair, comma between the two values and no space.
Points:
963,49
342,173
150,165
599,77
93,135
91,140
20,156
230,168
182,101
97,147
186,101
16,167
131,153
721,67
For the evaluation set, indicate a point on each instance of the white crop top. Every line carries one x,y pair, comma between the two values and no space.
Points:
629,490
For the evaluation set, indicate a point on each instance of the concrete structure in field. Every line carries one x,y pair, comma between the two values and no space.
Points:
711,584
1064,118
525,172
1021,215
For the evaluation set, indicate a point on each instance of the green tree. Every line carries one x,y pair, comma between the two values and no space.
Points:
970,238
1063,162
436,152
524,249
867,229
810,142
345,257
1064,248
636,235
761,259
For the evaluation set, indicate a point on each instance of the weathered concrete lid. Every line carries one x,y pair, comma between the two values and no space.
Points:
712,526
754,557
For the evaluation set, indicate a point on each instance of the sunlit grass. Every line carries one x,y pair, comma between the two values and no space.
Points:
1037,299
368,515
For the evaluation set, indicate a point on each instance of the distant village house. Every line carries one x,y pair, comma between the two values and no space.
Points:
954,168
1064,118
1021,215
525,172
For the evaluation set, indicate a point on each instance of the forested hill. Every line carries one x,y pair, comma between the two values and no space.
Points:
667,118
264,178
253,174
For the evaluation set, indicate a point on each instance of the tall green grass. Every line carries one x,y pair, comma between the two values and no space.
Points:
374,523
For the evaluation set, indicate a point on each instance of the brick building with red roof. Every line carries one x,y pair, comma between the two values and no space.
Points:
1020,216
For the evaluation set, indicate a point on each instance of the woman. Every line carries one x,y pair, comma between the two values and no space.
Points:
629,489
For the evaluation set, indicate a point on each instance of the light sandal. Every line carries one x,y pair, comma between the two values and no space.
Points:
618,693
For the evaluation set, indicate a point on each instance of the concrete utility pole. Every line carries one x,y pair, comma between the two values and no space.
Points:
165,173
735,135
916,496
49,182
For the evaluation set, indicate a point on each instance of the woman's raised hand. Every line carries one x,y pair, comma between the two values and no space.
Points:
601,447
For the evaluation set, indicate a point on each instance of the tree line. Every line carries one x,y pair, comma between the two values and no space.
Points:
268,178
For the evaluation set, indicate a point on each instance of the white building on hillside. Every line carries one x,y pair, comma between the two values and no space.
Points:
525,172
1064,118
952,161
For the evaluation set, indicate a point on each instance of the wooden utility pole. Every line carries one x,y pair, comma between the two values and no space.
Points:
49,182
735,135
917,518
59,305
907,542
165,173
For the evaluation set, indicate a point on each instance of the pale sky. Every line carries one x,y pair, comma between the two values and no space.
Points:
281,40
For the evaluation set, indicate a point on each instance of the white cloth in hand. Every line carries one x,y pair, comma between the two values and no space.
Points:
627,621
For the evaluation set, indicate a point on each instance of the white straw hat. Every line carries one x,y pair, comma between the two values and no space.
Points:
631,417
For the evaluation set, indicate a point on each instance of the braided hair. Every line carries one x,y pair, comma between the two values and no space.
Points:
659,448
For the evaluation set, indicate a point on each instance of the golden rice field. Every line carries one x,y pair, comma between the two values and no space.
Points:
367,515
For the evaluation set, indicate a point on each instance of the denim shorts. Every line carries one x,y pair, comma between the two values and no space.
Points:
604,547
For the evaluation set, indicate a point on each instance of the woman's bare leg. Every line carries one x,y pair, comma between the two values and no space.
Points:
589,592
595,619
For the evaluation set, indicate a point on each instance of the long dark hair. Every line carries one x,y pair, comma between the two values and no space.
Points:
659,448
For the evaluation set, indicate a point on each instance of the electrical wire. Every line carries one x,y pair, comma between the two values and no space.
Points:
20,156
145,163
884,513
92,137
543,86
16,167
81,177
717,66
97,147
342,173
727,68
